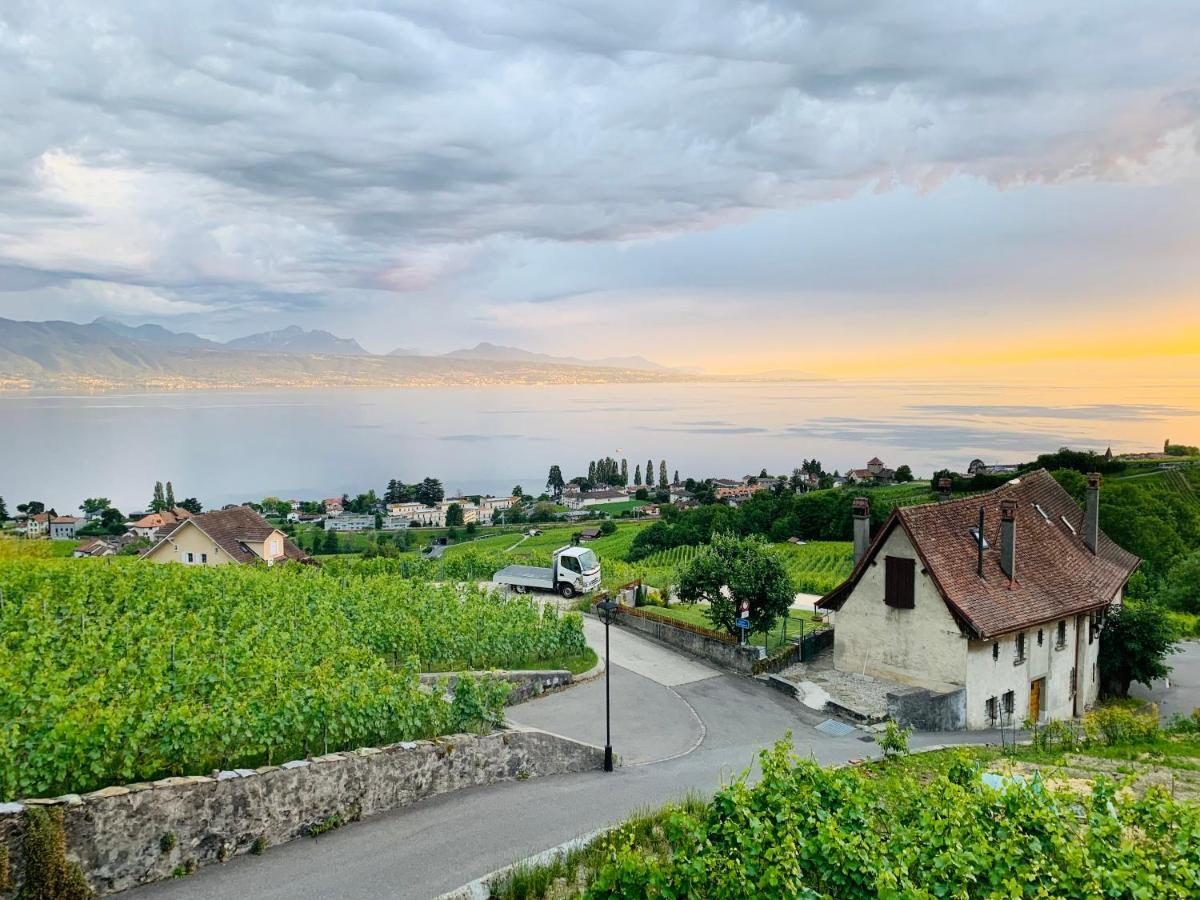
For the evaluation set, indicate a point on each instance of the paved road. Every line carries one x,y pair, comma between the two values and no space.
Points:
703,725
1183,695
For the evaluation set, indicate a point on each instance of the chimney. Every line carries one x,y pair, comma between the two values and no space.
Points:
1008,538
1091,512
944,485
862,527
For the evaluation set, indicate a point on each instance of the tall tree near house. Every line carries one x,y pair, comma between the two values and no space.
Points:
554,481
637,476
170,496
430,491
454,514
330,544
192,505
518,491
624,471
3,511
591,475
904,474
159,501
734,571
649,473
676,481
93,506
662,473
1135,641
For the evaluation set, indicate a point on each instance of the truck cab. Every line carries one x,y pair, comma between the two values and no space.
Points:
576,571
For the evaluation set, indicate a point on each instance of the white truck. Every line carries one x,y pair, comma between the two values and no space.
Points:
573,570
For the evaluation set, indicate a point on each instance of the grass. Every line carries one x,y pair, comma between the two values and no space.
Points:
615,509
695,615
576,664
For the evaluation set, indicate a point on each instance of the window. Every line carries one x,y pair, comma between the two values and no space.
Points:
992,707
1093,627
1020,649
1074,676
1041,637
204,557
899,582
995,650
975,539
1060,641
1009,702
191,557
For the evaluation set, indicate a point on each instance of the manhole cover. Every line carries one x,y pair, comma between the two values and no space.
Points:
834,728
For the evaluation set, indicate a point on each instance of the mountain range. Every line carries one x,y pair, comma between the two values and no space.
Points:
109,353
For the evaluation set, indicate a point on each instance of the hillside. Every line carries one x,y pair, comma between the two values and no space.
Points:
103,355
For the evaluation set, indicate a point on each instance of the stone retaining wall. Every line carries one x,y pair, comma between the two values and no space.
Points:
116,834
525,683
718,651
927,710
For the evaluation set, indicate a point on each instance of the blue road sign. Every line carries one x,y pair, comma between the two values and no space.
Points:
741,623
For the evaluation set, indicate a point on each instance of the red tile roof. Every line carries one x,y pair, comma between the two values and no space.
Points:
1057,575
231,530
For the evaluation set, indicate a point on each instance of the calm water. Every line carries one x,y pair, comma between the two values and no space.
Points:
228,447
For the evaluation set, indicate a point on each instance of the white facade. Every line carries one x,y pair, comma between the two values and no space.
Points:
65,529
350,522
925,647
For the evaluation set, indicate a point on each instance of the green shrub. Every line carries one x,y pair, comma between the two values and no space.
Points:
259,847
1118,724
49,875
894,740
478,704
167,842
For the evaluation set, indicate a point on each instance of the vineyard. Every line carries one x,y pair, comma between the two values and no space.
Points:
113,671
818,566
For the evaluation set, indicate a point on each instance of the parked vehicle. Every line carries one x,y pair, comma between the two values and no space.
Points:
533,532
573,570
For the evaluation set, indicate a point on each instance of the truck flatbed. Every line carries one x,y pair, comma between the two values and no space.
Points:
533,573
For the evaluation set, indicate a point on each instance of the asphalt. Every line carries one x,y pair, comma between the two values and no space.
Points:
1179,694
689,735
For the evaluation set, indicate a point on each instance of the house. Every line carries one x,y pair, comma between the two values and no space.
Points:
418,514
395,523
727,490
350,522
491,508
238,535
593,498
333,506
149,525
875,473
998,630
979,467
589,534
94,547
63,527
37,524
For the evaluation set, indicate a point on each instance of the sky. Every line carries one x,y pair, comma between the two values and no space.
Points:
815,187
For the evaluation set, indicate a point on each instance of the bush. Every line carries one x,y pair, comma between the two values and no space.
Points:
608,526
49,875
894,740
1118,724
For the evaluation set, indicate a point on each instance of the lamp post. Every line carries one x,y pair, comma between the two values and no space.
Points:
607,608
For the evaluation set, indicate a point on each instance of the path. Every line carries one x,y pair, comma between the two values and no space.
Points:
522,540
437,845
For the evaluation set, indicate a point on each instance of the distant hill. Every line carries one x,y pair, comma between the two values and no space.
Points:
500,353
154,334
104,354
295,339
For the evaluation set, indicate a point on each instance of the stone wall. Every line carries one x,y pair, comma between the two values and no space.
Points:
718,651
927,710
525,683
116,833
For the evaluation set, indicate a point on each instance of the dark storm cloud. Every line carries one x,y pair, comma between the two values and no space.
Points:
235,156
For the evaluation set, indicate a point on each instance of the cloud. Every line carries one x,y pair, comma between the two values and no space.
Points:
295,156
1095,411
921,435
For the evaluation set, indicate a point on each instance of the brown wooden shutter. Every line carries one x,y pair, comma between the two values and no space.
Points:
899,582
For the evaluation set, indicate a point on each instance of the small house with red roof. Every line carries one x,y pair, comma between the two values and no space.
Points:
992,603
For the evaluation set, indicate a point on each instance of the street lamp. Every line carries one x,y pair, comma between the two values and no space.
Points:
607,608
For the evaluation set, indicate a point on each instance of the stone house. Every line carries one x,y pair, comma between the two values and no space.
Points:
237,535
998,629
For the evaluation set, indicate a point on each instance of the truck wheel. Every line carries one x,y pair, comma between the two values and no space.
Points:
567,590
519,588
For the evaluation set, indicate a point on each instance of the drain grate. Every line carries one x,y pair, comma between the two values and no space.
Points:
834,728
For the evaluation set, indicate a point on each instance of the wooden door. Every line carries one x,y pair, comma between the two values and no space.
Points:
1035,698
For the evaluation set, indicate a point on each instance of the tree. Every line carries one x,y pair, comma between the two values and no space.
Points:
734,571
649,473
170,498
93,506
430,491
192,505
543,512
1135,640
624,471
378,521
676,481
330,543
637,475
113,521
3,511
591,476
273,506
662,473
517,491
1181,589
608,526
554,481
32,508
904,473
159,501
454,514
472,528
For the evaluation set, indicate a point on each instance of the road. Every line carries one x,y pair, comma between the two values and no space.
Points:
678,727
1183,694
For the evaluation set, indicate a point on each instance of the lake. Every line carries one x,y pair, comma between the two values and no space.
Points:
228,447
